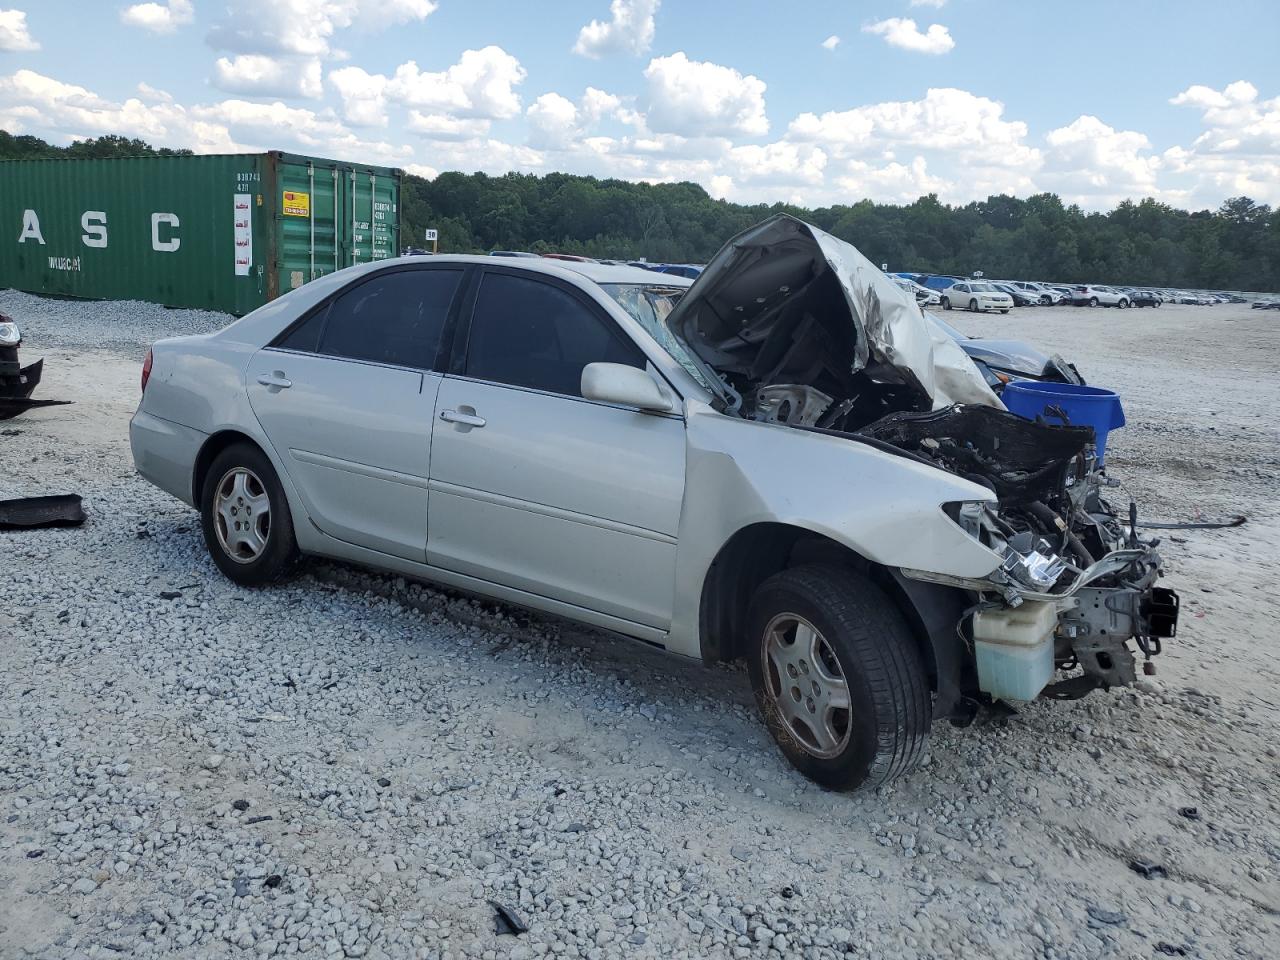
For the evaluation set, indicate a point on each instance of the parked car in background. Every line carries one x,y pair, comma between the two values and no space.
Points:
570,257
1021,298
515,253
1009,360
1064,291
924,296
1146,298
940,282
1096,295
1048,296
690,271
976,295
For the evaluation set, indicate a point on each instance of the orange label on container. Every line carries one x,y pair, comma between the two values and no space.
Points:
296,204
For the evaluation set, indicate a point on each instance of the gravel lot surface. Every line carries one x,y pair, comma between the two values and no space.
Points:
349,765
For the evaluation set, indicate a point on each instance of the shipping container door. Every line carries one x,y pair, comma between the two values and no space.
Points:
308,242
372,215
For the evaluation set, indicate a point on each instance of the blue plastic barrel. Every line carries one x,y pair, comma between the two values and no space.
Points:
1085,406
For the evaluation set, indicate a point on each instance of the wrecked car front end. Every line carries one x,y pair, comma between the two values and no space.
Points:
795,327
17,382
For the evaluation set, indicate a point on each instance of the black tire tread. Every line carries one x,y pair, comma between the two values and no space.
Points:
880,641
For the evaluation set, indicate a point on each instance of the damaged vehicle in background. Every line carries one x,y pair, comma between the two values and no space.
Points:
17,382
783,463
1003,361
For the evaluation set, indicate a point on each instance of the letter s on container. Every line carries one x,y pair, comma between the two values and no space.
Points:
164,246
94,225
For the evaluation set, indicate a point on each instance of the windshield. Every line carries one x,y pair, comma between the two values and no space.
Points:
982,288
649,304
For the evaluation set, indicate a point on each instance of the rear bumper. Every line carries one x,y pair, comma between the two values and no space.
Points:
164,453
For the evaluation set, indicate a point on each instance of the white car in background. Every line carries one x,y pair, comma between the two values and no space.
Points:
976,295
924,296
1095,295
1048,296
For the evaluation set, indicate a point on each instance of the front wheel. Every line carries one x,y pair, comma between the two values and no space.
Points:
946,303
973,306
1123,304
1004,311
245,517
838,677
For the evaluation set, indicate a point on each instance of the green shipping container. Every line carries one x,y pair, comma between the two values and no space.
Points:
225,232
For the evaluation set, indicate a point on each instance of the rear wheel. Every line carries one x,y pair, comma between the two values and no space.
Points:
245,517
1093,301
838,677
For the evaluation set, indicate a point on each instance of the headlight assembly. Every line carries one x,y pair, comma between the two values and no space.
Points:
10,336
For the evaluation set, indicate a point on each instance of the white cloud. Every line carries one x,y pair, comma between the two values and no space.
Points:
630,30
694,98
481,84
556,122
893,182
159,17
306,27
363,96
437,126
259,75
936,4
15,37
1089,161
831,42
902,32
1239,151
973,127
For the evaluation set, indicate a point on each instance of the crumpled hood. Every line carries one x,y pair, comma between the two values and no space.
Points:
785,302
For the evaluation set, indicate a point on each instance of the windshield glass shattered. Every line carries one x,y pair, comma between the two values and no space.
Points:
650,304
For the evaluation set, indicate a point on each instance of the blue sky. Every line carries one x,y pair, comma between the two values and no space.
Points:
813,102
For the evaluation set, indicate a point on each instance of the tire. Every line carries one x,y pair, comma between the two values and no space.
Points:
1093,301
861,641
240,478
1004,311
946,303
1123,304
973,306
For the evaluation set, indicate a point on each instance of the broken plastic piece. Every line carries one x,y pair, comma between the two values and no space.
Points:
506,921
30,513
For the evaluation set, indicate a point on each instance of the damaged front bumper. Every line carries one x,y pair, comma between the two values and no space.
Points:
1072,584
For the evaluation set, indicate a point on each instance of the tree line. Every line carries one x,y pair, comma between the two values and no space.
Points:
1236,247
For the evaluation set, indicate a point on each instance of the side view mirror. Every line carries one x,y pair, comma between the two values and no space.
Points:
621,384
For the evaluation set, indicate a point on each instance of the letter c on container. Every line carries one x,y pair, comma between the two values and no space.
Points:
94,225
164,246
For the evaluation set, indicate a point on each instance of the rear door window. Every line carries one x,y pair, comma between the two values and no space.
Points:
529,333
395,318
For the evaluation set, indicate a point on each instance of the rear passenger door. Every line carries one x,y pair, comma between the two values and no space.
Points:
346,397
533,486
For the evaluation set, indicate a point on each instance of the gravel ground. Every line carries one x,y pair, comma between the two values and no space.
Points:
351,765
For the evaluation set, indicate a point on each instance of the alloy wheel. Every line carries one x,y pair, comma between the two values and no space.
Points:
242,514
807,686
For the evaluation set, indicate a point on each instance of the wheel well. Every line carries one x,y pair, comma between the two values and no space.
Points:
757,552
204,459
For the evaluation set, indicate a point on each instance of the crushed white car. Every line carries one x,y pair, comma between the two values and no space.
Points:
783,463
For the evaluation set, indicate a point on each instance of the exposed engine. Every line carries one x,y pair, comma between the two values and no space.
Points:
1062,541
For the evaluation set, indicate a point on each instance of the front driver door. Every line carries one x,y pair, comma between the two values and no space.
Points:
536,488
347,398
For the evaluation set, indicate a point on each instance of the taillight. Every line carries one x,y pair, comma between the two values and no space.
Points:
146,371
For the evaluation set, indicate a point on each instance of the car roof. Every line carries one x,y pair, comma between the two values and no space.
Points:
596,272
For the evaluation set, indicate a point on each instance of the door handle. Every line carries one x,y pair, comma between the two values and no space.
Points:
276,379
466,419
